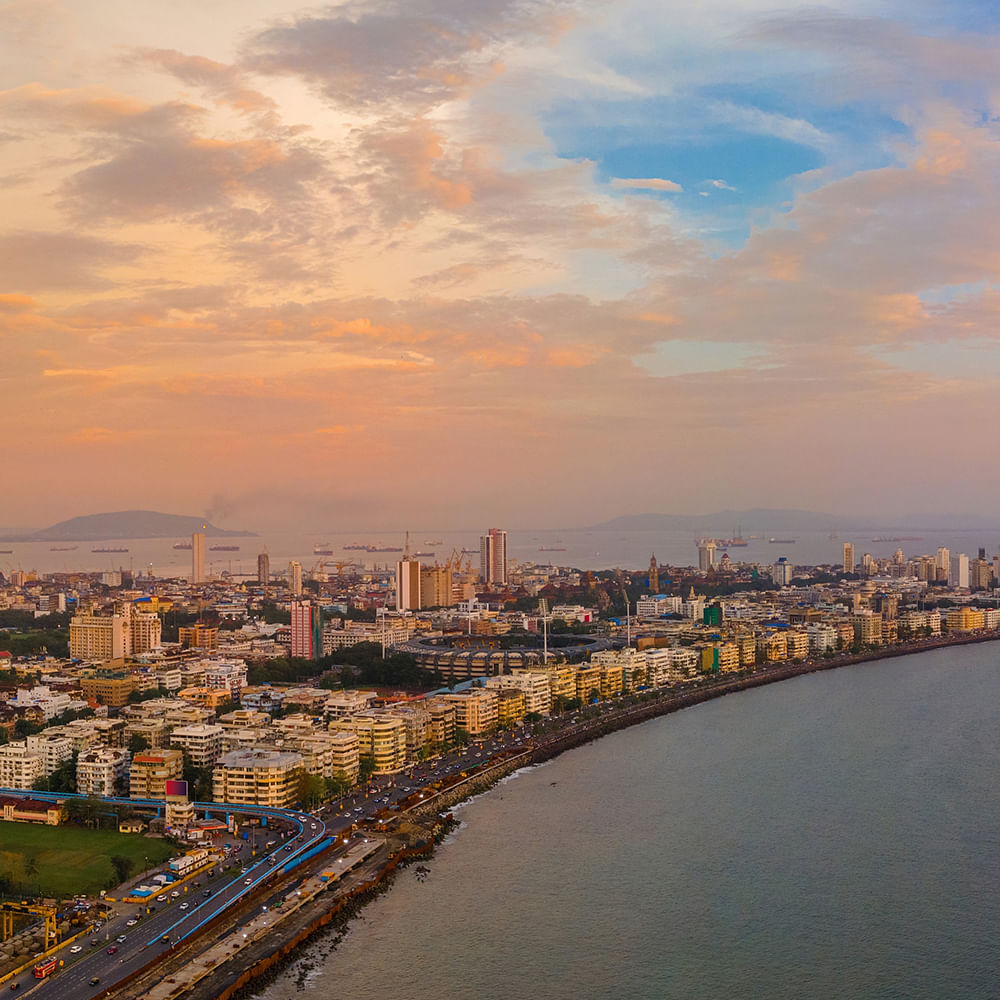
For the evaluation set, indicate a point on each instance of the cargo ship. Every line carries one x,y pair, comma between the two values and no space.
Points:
781,541
106,550
551,548
63,548
223,548
426,555
322,550
182,545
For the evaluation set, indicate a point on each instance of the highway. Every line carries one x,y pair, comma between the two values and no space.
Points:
108,959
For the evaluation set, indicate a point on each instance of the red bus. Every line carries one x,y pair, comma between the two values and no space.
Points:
46,968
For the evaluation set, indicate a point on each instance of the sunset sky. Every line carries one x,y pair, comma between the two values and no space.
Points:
439,263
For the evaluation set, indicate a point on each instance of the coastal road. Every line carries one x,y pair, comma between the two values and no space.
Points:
106,959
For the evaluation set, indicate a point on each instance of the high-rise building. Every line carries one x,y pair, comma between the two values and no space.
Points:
848,557
706,554
307,631
958,571
408,585
198,557
263,569
654,574
943,558
435,587
781,572
493,557
295,577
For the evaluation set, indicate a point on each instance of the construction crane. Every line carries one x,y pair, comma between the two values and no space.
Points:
8,911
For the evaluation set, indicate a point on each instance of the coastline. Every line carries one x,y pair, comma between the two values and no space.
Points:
283,947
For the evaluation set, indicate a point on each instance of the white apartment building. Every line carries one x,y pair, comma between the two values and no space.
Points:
656,606
534,684
201,743
102,771
340,704
52,748
19,766
822,638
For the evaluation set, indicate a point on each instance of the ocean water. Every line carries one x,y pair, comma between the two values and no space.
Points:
836,835
582,548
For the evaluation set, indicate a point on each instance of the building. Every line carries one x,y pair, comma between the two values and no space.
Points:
436,587
706,554
781,572
53,748
149,773
198,636
107,687
19,766
226,675
381,737
493,558
476,710
848,557
654,574
958,571
295,577
533,684
198,557
408,585
202,744
263,569
95,638
307,630
102,771
258,777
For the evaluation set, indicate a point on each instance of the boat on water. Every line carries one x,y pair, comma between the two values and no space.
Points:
108,549
431,544
63,548
182,545
781,541
426,555
551,548
355,546
898,538
322,550
6,552
223,548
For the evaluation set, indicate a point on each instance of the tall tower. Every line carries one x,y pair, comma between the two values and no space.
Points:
295,577
198,557
848,557
654,575
263,569
493,557
305,619
408,584
706,554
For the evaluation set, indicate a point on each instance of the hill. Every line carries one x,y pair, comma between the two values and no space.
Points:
126,524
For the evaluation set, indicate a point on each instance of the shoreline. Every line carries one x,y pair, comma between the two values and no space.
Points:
285,947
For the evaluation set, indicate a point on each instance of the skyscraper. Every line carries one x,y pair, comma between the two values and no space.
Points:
306,631
263,569
295,577
706,554
958,571
493,557
198,557
654,575
848,557
408,585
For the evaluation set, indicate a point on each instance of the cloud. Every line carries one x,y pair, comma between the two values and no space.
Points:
721,185
34,261
644,184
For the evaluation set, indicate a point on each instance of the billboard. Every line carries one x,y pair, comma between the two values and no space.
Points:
174,788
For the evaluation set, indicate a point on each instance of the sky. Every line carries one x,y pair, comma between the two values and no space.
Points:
443,263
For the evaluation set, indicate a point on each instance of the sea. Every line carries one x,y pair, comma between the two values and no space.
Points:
580,548
832,836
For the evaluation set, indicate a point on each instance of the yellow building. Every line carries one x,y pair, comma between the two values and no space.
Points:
510,706
107,687
441,728
476,710
382,737
797,644
205,696
965,619
149,773
611,680
257,777
588,682
201,636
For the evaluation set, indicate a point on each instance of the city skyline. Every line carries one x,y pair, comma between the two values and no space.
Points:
568,246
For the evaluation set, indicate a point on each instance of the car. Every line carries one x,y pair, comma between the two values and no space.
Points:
113,949
94,942
184,906
131,923
207,892
121,939
174,894
94,980
248,881
288,847
76,949
15,985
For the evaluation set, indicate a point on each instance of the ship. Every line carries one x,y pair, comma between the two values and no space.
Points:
106,550
6,552
182,545
781,541
898,538
322,550
551,548
437,541
426,555
355,546
383,548
63,548
223,548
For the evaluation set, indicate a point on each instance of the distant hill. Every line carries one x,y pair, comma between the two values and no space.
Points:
126,524
766,519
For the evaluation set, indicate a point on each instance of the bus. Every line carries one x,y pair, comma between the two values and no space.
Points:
46,968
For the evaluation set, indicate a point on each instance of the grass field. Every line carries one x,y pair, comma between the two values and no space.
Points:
69,860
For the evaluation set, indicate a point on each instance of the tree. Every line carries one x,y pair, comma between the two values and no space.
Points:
122,867
461,737
310,789
368,766
337,785
137,743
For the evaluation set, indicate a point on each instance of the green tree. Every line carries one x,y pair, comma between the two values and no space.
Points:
337,785
122,866
310,789
461,738
367,767
137,743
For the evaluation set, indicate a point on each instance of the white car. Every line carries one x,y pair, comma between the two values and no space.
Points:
184,906
248,881
131,923
76,949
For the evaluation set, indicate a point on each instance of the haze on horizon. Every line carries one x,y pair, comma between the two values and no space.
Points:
433,262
